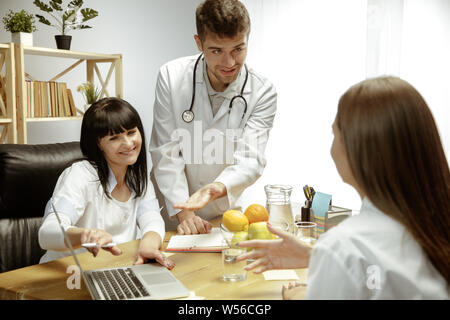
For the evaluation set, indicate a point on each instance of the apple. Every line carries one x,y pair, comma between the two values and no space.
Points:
258,230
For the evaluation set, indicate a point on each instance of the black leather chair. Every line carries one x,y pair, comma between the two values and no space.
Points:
28,175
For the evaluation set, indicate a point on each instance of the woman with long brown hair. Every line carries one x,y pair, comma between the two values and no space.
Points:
387,146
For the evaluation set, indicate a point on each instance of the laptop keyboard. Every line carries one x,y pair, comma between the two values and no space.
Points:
120,284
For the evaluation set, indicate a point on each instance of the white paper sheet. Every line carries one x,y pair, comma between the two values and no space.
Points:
280,275
212,239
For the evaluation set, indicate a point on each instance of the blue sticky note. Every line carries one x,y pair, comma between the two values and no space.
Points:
321,204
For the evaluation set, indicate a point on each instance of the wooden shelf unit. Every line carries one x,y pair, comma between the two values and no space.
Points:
91,59
8,122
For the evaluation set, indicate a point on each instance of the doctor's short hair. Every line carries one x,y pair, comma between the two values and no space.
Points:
397,159
109,116
225,18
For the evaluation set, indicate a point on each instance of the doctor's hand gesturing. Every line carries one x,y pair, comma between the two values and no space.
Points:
203,196
189,222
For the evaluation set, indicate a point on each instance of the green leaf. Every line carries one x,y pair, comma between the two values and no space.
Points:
43,6
56,4
70,15
82,26
75,4
43,20
88,14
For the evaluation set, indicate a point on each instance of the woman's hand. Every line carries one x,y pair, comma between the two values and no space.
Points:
98,236
149,249
150,253
294,291
287,252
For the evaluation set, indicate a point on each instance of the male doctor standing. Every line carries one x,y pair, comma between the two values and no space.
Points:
211,119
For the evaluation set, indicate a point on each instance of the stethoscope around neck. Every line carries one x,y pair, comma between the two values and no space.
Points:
188,115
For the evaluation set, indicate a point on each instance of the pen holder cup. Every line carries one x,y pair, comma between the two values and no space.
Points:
306,214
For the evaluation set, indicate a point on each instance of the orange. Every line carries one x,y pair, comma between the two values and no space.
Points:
256,213
235,221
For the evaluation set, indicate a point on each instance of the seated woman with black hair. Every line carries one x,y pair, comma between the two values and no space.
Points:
106,198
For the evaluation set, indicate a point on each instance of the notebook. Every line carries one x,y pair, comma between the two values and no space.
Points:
149,281
208,242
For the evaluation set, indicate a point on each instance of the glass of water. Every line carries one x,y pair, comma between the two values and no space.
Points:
306,232
231,269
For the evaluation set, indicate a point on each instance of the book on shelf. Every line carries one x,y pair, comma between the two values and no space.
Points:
49,99
73,109
65,99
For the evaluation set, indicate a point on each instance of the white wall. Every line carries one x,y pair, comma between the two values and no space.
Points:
314,50
146,33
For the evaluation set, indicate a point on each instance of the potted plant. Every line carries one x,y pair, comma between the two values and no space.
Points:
71,18
90,93
21,25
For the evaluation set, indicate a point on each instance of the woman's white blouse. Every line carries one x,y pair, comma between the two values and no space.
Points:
81,202
372,256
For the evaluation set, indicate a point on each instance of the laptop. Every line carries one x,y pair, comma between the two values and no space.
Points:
149,281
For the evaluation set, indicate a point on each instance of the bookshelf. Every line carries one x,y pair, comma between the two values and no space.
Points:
8,123
91,61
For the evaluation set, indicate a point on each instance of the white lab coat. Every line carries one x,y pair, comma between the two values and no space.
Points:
372,256
187,156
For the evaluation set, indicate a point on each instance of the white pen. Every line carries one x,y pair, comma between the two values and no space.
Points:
95,245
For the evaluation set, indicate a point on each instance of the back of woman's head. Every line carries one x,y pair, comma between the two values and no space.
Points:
396,156
110,116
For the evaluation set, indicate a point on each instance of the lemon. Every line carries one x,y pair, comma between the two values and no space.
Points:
235,221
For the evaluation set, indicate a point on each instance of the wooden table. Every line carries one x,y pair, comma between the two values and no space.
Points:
199,272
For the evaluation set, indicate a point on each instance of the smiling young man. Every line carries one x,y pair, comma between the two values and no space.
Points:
206,97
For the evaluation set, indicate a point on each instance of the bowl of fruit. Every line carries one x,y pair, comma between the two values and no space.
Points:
252,224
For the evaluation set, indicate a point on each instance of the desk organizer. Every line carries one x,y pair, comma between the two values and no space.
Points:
332,218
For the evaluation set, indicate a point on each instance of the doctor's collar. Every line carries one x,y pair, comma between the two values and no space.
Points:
231,90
